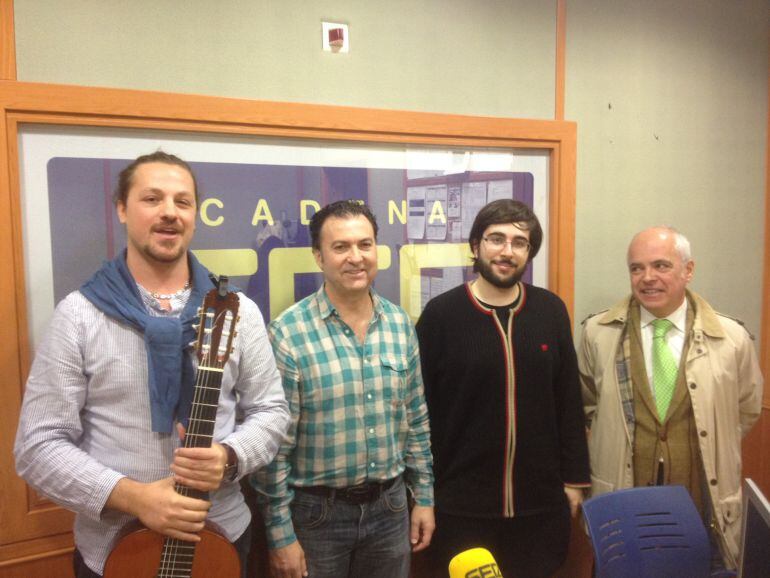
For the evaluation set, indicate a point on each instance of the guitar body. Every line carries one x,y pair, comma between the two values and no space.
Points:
137,556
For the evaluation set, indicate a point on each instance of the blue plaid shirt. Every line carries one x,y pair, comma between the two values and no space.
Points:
358,410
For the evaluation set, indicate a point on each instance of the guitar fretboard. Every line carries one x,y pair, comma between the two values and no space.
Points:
177,558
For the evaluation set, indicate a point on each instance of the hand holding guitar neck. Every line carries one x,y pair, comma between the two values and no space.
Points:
199,468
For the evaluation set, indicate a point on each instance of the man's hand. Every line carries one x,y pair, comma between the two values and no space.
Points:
421,527
159,507
575,498
199,468
288,562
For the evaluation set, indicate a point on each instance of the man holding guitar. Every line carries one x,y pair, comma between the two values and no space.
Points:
110,390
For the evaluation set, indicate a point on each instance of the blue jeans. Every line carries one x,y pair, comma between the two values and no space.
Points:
355,540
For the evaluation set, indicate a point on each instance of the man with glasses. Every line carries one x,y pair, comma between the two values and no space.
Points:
503,394
670,387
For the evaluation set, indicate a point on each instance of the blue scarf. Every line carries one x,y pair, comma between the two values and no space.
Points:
113,291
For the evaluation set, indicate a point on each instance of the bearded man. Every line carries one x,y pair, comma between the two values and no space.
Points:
503,393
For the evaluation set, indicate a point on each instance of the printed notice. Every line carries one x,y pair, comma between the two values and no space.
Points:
474,198
499,190
415,224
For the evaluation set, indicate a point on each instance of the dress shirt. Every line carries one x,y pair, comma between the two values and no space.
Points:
85,420
674,337
358,409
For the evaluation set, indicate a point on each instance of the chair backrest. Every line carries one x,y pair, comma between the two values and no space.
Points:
649,532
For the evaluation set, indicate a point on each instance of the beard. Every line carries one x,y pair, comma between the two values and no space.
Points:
485,270
159,255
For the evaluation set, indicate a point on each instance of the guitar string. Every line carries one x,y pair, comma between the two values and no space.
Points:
172,546
177,548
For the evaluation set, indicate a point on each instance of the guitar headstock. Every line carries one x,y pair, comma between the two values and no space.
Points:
218,317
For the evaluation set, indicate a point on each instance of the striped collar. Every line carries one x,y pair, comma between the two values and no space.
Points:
489,310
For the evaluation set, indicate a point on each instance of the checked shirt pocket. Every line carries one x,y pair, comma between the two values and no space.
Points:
393,371
394,375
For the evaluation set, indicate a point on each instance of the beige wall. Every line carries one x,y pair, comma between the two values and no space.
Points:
428,55
670,97
671,104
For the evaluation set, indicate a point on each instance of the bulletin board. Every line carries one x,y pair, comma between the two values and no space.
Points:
257,195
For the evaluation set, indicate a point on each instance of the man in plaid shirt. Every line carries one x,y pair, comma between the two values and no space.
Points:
335,500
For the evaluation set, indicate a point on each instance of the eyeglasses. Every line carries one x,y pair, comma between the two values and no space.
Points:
518,244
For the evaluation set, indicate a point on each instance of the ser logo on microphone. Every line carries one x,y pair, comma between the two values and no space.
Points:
485,571
474,563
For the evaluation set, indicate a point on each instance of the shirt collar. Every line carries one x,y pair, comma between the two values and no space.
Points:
677,317
326,308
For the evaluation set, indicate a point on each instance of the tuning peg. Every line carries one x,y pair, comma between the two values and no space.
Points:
235,334
196,326
193,343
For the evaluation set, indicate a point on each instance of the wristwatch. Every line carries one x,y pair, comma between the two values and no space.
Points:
231,467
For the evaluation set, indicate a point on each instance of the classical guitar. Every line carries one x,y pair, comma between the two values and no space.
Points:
145,553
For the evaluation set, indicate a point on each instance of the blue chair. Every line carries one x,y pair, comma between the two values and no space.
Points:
649,532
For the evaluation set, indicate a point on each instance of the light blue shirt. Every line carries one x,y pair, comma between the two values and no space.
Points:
85,420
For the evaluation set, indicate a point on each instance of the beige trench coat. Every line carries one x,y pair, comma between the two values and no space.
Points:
725,386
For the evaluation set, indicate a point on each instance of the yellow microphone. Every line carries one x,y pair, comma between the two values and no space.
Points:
474,563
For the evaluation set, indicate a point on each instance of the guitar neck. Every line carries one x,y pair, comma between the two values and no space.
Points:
203,413
203,416
177,557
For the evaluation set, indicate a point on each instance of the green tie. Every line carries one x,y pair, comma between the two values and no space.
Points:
664,367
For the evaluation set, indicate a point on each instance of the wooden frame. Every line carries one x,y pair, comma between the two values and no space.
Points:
34,528
7,41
